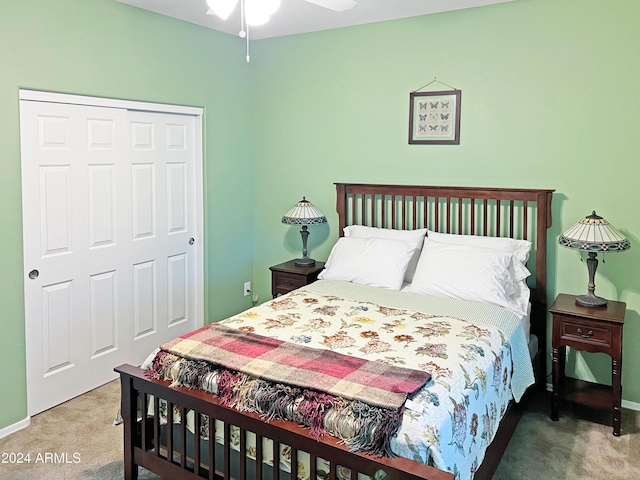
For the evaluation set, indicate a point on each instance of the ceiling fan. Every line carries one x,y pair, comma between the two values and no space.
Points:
258,12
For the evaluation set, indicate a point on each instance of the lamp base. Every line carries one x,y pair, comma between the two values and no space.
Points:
591,300
304,262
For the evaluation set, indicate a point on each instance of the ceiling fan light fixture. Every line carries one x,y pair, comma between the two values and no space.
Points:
262,7
222,8
258,12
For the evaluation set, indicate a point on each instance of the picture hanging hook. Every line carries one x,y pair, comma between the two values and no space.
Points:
435,80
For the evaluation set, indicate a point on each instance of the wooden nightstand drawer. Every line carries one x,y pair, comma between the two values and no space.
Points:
584,331
288,276
284,281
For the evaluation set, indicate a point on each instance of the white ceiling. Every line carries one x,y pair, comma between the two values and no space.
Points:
299,16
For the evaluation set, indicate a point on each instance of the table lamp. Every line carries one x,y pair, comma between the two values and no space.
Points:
593,234
304,213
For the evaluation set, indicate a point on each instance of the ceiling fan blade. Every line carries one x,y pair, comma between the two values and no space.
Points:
336,5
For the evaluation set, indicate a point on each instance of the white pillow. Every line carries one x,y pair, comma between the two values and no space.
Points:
520,249
520,297
379,262
411,236
517,289
465,272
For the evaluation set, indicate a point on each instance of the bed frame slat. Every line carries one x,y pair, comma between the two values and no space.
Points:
313,465
243,454
212,445
145,411
485,211
276,461
156,424
183,437
373,209
259,456
197,426
226,462
415,207
472,219
170,432
511,219
404,213
294,463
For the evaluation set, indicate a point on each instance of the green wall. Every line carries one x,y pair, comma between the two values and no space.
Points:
103,48
549,100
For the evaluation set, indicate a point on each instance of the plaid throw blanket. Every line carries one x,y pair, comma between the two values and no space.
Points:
293,382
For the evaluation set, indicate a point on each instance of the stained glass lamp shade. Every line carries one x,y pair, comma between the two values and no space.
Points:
593,234
304,213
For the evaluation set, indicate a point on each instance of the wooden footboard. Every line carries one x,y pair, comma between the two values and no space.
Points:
166,454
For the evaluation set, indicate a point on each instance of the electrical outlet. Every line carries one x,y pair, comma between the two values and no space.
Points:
247,289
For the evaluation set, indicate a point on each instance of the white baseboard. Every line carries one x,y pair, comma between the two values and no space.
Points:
5,432
625,403
631,405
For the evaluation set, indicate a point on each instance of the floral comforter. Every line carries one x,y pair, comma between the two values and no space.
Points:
475,353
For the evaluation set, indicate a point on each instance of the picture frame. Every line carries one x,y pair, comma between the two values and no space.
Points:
434,117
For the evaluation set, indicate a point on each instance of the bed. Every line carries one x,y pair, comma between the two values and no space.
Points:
167,428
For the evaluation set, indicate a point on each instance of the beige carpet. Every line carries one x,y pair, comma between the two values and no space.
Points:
579,446
571,449
82,426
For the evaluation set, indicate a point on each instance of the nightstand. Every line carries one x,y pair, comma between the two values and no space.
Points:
287,276
591,329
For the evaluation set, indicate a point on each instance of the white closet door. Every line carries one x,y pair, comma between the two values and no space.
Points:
107,218
162,162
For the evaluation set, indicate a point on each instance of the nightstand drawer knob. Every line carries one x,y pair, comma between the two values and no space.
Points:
588,334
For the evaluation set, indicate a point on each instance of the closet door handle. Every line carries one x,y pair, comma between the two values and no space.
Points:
33,274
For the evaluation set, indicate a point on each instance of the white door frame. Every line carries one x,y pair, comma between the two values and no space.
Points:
197,112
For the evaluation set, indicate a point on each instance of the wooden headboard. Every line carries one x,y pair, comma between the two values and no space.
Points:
498,212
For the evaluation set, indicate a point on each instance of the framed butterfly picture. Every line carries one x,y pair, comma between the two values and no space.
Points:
434,118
